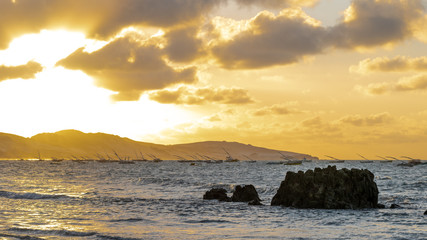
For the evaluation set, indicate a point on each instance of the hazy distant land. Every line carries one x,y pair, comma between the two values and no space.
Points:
72,144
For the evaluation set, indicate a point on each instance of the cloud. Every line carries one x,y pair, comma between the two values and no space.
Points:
97,18
272,40
417,82
199,96
26,71
369,23
128,66
375,88
312,122
268,40
183,44
372,120
277,3
214,118
276,109
407,84
420,31
396,64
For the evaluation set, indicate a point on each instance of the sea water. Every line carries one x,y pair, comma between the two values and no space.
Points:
147,200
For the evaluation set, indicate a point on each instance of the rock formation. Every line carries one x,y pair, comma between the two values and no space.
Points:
246,193
217,193
328,188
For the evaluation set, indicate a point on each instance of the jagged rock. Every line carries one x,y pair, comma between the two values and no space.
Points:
246,193
217,193
395,206
379,205
328,188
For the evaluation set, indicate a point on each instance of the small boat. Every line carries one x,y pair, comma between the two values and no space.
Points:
289,161
229,158
411,163
275,163
126,162
336,161
365,159
293,162
155,159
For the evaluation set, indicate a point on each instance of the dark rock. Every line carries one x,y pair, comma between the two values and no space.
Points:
425,213
255,202
246,193
395,206
379,205
328,188
217,193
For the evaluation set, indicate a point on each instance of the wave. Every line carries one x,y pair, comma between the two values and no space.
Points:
209,221
61,233
19,237
65,233
129,220
30,196
106,237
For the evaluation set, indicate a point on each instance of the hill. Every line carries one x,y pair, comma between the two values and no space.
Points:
72,144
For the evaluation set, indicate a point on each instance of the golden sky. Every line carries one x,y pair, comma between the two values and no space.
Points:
322,77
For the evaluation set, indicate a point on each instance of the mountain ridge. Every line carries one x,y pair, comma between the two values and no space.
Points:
74,144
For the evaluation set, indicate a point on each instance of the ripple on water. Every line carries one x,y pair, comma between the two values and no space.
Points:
30,195
164,201
61,232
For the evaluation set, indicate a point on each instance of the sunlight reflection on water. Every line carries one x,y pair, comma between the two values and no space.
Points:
164,201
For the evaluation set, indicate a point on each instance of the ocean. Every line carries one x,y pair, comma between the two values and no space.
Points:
164,200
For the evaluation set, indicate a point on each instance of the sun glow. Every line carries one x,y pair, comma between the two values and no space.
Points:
46,47
58,98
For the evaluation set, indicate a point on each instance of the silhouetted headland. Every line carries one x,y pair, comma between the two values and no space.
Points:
76,145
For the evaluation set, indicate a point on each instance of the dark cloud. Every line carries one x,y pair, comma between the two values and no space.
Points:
183,44
370,23
129,67
98,18
199,96
289,36
396,64
272,40
26,71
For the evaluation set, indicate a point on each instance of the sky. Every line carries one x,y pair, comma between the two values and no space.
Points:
322,77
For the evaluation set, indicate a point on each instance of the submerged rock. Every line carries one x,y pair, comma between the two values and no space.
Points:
328,188
246,193
218,194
